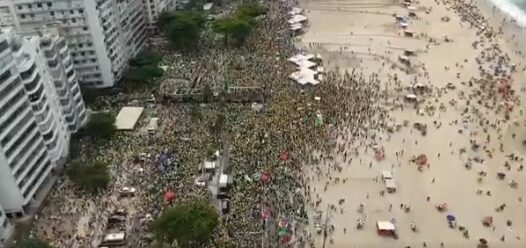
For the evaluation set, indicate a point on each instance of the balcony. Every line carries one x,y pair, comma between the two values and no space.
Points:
22,170
71,76
41,176
37,95
36,150
31,86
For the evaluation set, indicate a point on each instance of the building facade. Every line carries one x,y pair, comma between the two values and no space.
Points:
102,34
35,114
153,8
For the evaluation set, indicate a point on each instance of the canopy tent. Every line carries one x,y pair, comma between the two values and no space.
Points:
385,225
305,76
390,184
306,65
297,19
296,26
128,117
296,11
387,174
299,59
169,196
410,96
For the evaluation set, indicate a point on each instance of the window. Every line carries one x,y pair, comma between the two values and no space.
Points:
31,86
3,46
30,6
29,72
22,16
81,11
5,76
73,20
19,7
39,5
72,12
52,13
17,97
49,4
32,15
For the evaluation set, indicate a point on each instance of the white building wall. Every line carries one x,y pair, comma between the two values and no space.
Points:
154,8
102,34
34,127
45,106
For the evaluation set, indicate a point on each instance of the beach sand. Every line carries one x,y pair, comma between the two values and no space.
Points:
362,35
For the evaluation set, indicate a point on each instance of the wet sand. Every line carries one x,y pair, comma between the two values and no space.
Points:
363,35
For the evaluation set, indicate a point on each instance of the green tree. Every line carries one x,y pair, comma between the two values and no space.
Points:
239,25
182,28
235,27
143,73
92,177
195,113
146,57
190,224
144,67
250,10
101,125
218,125
32,243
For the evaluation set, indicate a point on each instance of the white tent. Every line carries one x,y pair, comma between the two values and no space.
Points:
305,76
296,26
128,117
295,11
385,225
387,174
297,19
307,65
410,96
298,59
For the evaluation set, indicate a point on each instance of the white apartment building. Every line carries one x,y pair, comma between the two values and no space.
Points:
38,93
154,8
102,34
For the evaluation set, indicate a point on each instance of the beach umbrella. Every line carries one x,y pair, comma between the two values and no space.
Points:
169,196
284,156
264,177
286,238
265,214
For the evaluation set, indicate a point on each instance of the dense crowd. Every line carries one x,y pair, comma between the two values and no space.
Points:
274,141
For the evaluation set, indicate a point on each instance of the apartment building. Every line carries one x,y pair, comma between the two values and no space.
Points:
40,106
154,8
102,34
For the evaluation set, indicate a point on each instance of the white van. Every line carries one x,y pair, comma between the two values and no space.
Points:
153,125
